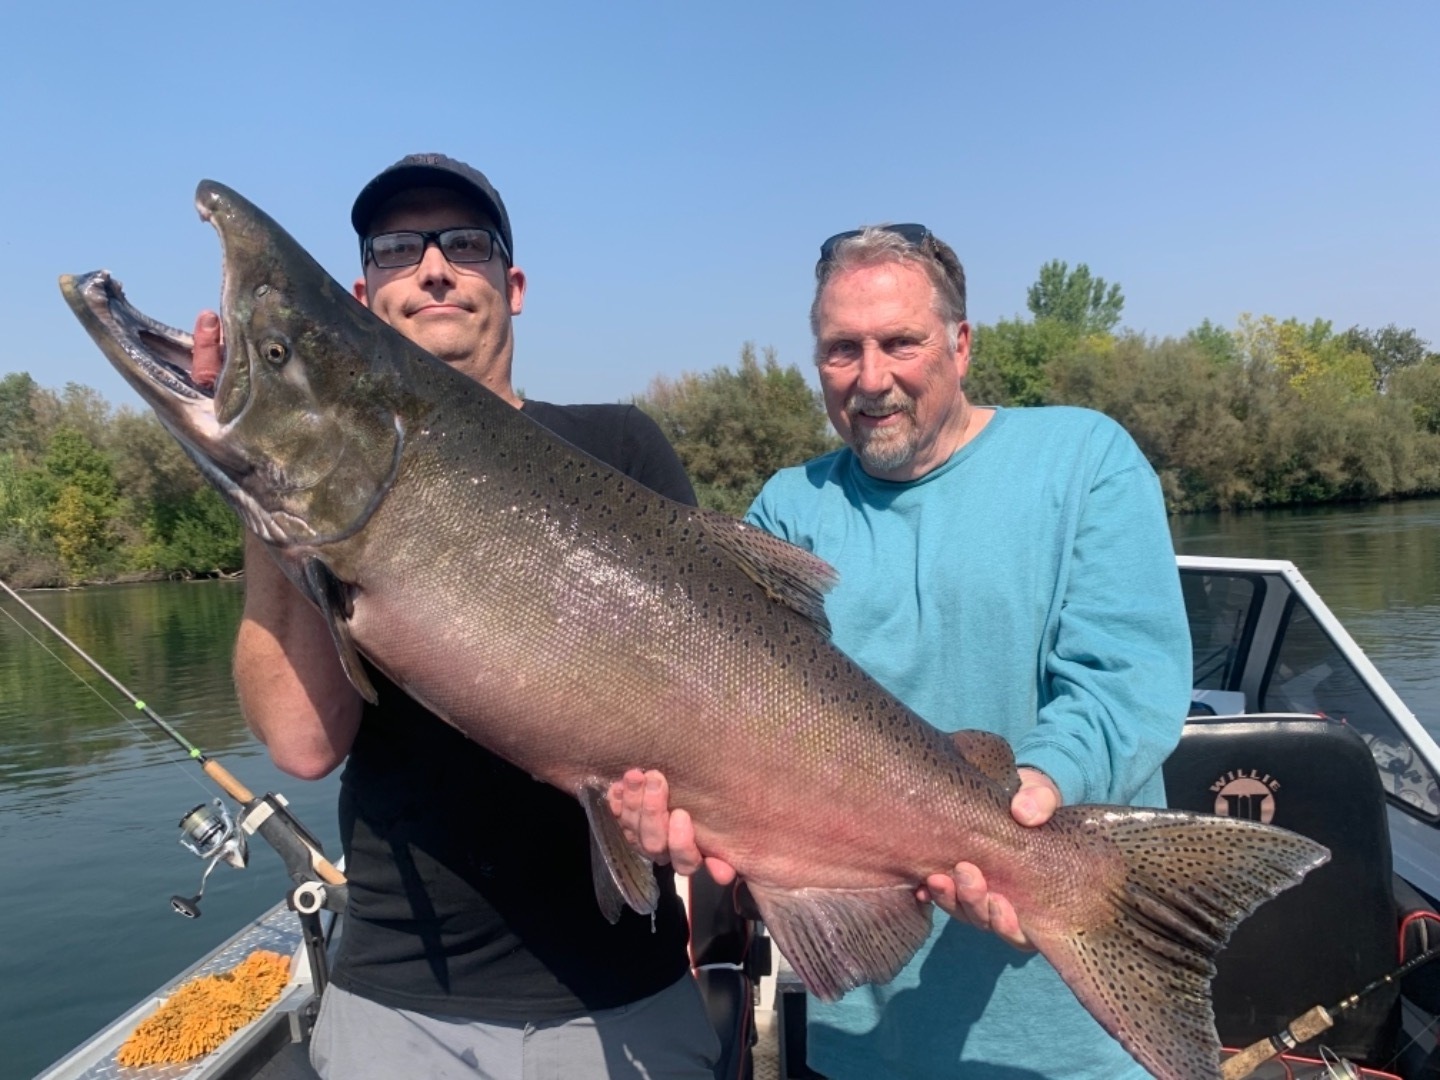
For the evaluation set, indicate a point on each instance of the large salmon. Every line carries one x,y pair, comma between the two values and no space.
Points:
578,624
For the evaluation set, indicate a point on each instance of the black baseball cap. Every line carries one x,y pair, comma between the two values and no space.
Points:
430,170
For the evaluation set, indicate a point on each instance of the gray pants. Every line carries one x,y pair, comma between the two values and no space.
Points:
663,1037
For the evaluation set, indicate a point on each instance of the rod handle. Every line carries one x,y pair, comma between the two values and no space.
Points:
228,784
300,853
1253,1056
326,869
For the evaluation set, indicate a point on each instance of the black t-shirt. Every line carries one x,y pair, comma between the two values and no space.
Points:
470,884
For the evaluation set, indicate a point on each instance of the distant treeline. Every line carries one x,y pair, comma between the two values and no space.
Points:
1264,413
92,493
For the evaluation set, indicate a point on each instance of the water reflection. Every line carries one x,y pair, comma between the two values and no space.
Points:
90,794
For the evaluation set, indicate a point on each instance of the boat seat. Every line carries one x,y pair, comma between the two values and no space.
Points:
1335,932
726,962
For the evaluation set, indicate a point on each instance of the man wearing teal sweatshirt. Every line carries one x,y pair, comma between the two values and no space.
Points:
1002,569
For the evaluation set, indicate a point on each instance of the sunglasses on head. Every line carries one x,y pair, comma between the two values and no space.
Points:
910,232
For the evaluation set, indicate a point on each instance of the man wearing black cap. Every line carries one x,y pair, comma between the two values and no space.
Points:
466,951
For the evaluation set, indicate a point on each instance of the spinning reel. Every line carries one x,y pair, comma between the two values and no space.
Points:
210,834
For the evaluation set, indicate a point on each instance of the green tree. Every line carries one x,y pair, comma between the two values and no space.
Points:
734,429
1214,341
24,504
1008,361
19,428
84,503
199,535
1180,407
1076,298
1390,350
79,408
174,521
1249,433
1317,362
1418,388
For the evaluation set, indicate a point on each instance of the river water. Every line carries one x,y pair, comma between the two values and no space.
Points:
91,793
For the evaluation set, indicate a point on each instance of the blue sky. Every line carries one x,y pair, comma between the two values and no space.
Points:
671,169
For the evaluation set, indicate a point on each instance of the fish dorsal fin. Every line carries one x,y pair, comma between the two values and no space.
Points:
837,939
620,873
332,597
789,575
991,755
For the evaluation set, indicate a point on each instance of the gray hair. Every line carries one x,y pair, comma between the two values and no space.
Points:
874,245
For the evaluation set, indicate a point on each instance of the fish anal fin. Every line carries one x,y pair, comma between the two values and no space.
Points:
991,755
1163,891
332,597
837,939
789,575
621,874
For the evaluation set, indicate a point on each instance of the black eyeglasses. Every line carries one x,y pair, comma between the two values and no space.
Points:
466,245
910,232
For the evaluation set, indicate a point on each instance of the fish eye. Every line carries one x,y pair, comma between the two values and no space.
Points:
276,352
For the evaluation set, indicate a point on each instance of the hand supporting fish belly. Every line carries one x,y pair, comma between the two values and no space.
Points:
964,893
563,616
640,801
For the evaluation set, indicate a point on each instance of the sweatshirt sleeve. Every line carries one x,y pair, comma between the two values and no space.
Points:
1117,676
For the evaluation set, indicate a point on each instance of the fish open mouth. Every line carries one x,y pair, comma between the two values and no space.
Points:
157,359
161,354
159,362
277,450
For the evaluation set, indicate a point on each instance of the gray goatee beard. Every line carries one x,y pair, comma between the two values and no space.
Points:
889,448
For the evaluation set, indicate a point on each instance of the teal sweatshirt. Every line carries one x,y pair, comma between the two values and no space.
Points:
1026,587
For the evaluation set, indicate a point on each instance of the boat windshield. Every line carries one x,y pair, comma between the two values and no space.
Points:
1310,674
1222,609
1260,647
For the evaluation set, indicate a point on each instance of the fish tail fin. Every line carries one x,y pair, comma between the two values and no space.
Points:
1139,951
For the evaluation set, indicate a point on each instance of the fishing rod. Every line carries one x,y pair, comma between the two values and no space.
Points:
1312,1023
211,834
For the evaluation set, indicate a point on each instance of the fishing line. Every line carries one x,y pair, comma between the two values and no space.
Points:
215,837
268,815
1414,1039
1415,961
145,733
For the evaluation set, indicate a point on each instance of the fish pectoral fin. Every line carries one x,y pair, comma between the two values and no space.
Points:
621,874
991,755
1139,951
837,939
789,575
332,597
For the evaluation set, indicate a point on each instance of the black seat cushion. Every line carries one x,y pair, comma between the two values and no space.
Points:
721,940
727,994
1320,942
